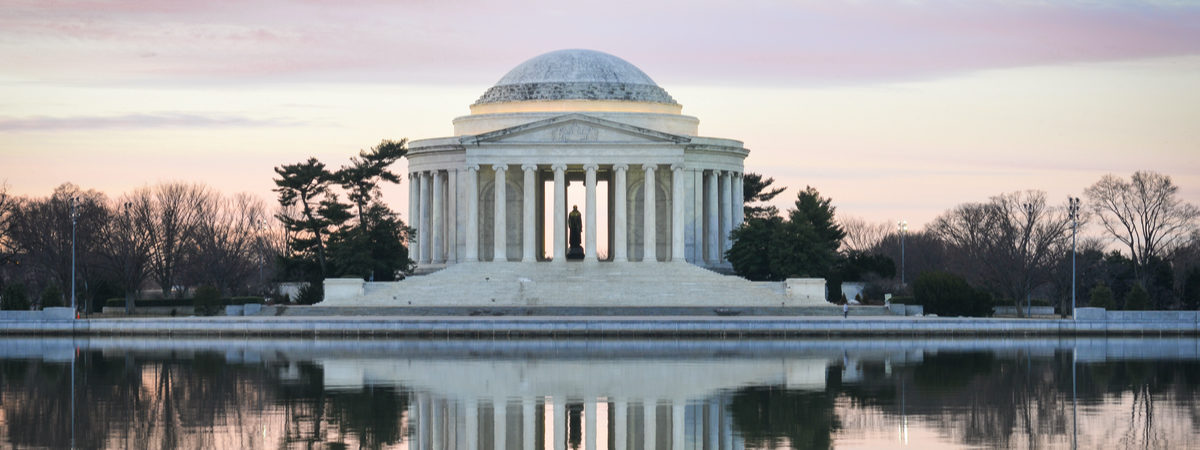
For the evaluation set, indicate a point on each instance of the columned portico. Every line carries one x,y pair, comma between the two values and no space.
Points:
679,203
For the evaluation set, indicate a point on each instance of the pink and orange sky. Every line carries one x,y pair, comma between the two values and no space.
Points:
895,109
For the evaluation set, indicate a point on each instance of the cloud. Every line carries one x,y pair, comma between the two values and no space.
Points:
150,120
784,42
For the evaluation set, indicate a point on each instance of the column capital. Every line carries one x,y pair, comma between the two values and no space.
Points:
527,167
473,167
591,167
620,166
649,167
558,167
413,175
677,167
499,167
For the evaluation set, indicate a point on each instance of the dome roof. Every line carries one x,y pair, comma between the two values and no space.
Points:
575,75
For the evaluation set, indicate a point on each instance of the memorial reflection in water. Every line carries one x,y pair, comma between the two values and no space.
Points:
130,393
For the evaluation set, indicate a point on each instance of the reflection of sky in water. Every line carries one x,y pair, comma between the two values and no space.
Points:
601,394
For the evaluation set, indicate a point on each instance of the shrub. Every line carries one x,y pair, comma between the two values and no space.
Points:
1137,299
52,296
1100,297
244,300
311,293
207,301
946,294
14,298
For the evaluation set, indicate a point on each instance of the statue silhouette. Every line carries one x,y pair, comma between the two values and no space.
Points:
575,231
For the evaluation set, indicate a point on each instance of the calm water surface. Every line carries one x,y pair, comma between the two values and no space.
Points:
188,393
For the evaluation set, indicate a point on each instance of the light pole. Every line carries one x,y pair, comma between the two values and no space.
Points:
903,224
1073,210
74,219
1029,209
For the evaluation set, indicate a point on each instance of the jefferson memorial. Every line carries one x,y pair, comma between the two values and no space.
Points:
570,149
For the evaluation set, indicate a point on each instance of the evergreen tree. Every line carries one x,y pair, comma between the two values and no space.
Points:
805,245
306,186
756,189
1101,297
1137,299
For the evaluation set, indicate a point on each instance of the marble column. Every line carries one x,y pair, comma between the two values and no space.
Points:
713,424
620,221
437,424
713,254
560,423
527,422
499,225
739,200
677,423
499,423
697,217
677,204
560,214
650,247
726,211
589,251
527,239
423,231
414,213
452,238
472,424
472,191
649,423
620,424
589,427
439,218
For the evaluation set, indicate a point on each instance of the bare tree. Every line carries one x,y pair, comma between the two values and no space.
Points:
1144,214
127,242
7,204
40,231
227,241
174,219
861,235
1009,243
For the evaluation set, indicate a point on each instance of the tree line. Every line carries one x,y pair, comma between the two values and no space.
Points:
1014,247
166,237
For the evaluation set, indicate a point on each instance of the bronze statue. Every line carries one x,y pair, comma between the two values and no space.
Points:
575,230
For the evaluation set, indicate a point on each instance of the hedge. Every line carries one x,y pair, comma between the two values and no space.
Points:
172,302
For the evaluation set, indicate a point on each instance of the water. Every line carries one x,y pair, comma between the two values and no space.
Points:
857,393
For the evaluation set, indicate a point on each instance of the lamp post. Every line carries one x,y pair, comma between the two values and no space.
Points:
1073,210
903,224
74,219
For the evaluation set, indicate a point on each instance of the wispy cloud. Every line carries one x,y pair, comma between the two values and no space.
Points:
693,41
150,120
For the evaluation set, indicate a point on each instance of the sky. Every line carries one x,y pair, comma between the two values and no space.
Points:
897,110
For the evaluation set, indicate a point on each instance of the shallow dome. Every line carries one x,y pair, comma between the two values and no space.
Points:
575,75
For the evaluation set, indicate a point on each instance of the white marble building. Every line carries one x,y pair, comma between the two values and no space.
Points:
574,116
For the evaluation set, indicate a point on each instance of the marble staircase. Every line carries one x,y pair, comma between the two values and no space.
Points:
571,284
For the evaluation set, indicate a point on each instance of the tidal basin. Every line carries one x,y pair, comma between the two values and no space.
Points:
126,392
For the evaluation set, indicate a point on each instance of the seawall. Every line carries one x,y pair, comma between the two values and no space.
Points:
598,327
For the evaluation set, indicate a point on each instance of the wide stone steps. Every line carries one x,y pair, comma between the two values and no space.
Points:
571,284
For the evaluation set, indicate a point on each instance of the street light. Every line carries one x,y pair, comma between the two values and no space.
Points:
1029,210
903,224
74,219
1073,210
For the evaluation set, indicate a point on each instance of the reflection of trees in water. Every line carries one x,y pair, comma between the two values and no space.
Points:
768,415
979,398
372,415
189,401
1144,383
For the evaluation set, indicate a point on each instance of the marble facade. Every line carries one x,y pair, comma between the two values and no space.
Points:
481,195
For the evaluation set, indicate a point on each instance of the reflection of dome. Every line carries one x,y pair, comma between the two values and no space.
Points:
575,75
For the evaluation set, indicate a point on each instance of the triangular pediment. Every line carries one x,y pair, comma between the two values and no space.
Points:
574,128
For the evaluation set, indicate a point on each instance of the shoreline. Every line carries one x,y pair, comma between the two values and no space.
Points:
591,327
